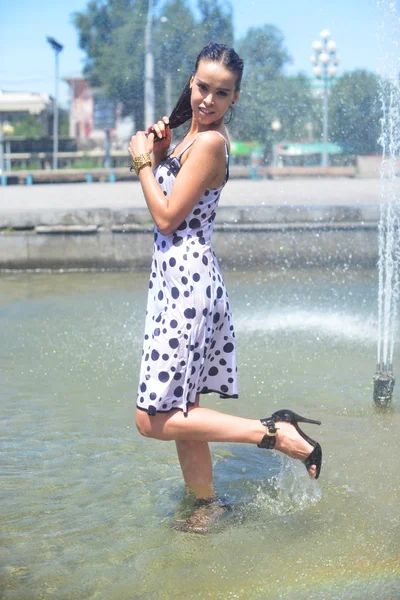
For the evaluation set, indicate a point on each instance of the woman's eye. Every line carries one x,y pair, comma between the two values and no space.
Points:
202,86
222,93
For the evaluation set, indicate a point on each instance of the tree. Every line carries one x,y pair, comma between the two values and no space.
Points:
355,112
267,94
64,123
216,22
263,52
174,52
112,35
31,126
28,126
292,100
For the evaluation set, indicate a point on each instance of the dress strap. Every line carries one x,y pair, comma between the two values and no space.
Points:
186,148
226,160
179,156
226,157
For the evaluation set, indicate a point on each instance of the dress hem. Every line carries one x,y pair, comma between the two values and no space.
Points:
184,410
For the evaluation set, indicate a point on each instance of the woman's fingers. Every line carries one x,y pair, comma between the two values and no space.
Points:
131,146
160,128
141,143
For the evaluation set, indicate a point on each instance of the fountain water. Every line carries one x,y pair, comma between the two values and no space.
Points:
389,225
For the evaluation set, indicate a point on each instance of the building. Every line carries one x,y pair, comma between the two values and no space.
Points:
84,119
81,109
14,106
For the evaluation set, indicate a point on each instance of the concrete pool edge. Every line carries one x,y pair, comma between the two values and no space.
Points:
244,237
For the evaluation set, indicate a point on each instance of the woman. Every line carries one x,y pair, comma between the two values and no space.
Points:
189,342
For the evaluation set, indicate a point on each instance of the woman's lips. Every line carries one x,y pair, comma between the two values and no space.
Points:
205,111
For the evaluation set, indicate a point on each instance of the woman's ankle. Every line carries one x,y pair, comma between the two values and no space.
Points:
202,491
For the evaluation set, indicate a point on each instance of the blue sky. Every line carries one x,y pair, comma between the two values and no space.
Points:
27,61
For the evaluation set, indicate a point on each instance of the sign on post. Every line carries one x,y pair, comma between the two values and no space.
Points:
103,113
104,118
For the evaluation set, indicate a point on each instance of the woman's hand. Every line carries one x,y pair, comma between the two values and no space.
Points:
163,134
141,144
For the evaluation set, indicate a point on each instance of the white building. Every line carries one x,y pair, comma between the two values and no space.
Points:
14,106
82,122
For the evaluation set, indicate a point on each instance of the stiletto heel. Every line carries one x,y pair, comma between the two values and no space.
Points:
268,441
290,416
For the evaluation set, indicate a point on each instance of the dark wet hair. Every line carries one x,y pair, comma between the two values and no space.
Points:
213,52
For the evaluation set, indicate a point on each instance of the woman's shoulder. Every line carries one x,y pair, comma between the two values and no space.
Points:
212,140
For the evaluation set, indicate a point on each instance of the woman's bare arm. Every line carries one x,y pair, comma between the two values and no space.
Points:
204,168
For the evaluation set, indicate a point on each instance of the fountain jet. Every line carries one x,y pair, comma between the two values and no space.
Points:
389,223
383,385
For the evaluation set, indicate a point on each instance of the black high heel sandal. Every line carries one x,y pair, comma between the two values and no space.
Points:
268,441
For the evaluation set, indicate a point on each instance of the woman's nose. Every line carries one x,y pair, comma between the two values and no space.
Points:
209,99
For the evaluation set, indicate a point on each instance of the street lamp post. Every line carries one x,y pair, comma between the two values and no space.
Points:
57,47
148,71
8,129
276,126
5,152
168,79
1,147
325,61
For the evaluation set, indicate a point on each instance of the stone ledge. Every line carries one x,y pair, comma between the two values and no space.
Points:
245,247
132,228
320,226
131,217
66,229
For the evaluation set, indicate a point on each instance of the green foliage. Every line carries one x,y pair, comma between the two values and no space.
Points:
31,126
263,52
63,123
267,94
216,23
28,126
355,112
85,163
112,33
175,51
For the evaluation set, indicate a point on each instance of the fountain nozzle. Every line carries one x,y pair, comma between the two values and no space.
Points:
383,386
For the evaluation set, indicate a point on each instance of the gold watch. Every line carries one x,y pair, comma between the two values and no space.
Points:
140,161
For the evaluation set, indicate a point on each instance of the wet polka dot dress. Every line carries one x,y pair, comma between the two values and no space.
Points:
189,341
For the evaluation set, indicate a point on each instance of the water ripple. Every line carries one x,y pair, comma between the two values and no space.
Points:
333,325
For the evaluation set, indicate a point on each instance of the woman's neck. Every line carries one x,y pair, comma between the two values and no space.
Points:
195,128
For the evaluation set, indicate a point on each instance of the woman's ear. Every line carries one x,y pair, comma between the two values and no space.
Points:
191,81
236,97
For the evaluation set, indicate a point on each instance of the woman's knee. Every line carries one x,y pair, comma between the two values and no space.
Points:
143,423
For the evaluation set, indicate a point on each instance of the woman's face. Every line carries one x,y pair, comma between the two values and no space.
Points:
213,91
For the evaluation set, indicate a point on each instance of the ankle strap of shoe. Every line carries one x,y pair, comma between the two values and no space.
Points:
269,438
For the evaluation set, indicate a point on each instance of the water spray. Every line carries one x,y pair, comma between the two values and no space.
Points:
389,223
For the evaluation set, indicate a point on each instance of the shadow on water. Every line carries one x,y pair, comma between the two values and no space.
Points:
89,505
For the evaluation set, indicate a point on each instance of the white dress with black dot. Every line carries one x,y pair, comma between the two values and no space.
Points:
189,343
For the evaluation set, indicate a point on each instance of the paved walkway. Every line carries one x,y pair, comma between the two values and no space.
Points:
238,192
41,226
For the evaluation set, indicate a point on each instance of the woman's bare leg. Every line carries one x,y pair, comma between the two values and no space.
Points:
195,460
196,464
206,425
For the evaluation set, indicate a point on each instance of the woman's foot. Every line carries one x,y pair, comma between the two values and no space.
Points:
206,514
291,443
